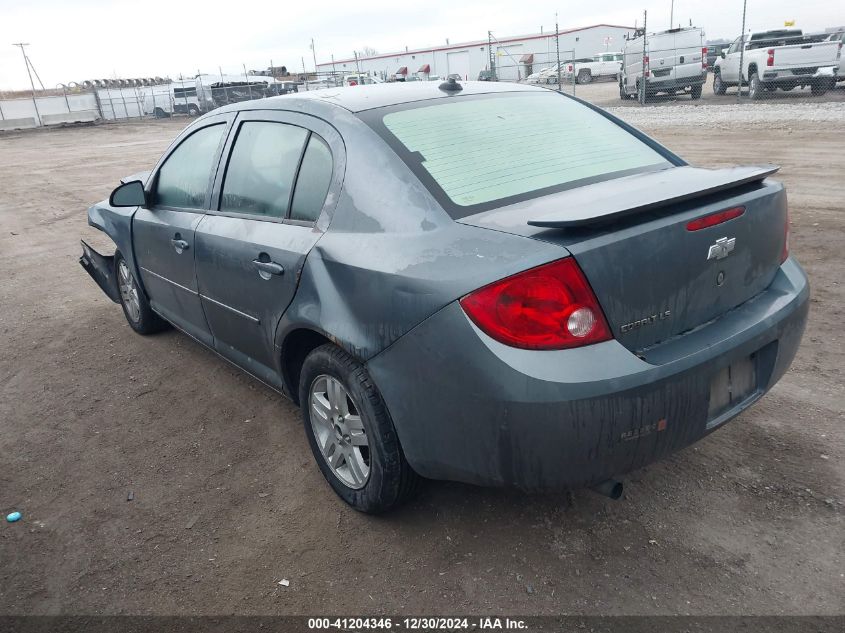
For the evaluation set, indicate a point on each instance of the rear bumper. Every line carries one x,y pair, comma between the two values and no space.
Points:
798,76
101,269
467,408
655,84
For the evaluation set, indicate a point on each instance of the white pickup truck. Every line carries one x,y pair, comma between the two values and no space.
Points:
782,59
601,66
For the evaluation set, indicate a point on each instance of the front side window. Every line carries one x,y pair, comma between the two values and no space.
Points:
476,153
183,180
262,168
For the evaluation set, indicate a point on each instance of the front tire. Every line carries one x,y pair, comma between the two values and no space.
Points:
584,76
351,433
136,308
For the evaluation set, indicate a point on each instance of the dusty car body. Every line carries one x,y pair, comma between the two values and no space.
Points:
692,308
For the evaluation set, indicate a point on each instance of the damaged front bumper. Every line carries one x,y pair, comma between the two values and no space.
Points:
101,269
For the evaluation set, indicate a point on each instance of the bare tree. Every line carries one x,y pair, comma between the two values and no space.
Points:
368,51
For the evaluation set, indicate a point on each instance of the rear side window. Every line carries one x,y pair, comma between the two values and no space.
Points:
262,168
476,153
183,180
312,184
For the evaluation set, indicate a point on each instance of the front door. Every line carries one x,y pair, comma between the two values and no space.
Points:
265,218
163,234
729,68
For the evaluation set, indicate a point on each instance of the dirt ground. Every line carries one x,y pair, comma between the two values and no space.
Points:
227,500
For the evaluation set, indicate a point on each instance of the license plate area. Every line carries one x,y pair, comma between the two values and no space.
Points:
731,386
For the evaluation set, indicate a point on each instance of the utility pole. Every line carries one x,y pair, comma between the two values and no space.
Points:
334,71
314,53
557,54
357,67
741,52
645,60
492,56
672,15
248,85
31,83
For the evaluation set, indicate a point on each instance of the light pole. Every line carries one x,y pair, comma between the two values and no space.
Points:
672,15
31,83
741,52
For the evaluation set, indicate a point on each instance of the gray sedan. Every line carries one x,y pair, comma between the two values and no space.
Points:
490,283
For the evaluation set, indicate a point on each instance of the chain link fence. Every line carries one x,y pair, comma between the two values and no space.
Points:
647,67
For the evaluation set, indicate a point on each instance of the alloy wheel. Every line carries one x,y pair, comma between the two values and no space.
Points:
339,431
128,291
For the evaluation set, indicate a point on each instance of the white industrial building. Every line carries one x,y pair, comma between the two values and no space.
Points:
516,57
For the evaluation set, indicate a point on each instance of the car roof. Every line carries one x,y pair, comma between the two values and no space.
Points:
360,98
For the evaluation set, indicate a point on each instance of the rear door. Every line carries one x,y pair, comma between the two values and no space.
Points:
270,205
163,234
688,47
661,56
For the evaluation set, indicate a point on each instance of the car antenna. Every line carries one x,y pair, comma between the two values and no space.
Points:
450,85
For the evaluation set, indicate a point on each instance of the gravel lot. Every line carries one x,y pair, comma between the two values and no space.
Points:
226,500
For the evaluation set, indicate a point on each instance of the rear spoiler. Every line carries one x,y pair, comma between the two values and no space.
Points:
614,199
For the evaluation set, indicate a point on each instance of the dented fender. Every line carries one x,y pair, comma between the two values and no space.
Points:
117,224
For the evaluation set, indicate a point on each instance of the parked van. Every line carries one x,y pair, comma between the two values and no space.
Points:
676,61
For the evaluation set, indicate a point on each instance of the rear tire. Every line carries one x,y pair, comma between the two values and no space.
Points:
695,92
755,88
193,110
719,86
818,88
136,307
584,76
351,428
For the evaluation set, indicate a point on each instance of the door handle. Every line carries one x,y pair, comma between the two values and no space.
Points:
179,245
268,268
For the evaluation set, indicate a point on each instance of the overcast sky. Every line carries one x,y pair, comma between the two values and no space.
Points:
73,40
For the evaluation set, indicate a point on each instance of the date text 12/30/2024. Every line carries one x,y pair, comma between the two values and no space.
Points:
487,623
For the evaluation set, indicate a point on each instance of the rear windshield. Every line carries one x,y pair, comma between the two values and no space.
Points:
479,152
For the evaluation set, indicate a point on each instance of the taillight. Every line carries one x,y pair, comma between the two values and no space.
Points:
785,251
646,72
715,218
548,307
771,60
704,57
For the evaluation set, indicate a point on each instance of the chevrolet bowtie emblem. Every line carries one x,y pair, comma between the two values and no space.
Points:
722,248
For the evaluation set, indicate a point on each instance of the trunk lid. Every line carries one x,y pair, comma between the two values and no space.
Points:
651,275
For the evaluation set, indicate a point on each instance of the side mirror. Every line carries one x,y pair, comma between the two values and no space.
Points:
129,194
722,54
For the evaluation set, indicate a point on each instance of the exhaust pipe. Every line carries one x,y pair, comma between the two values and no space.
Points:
609,488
